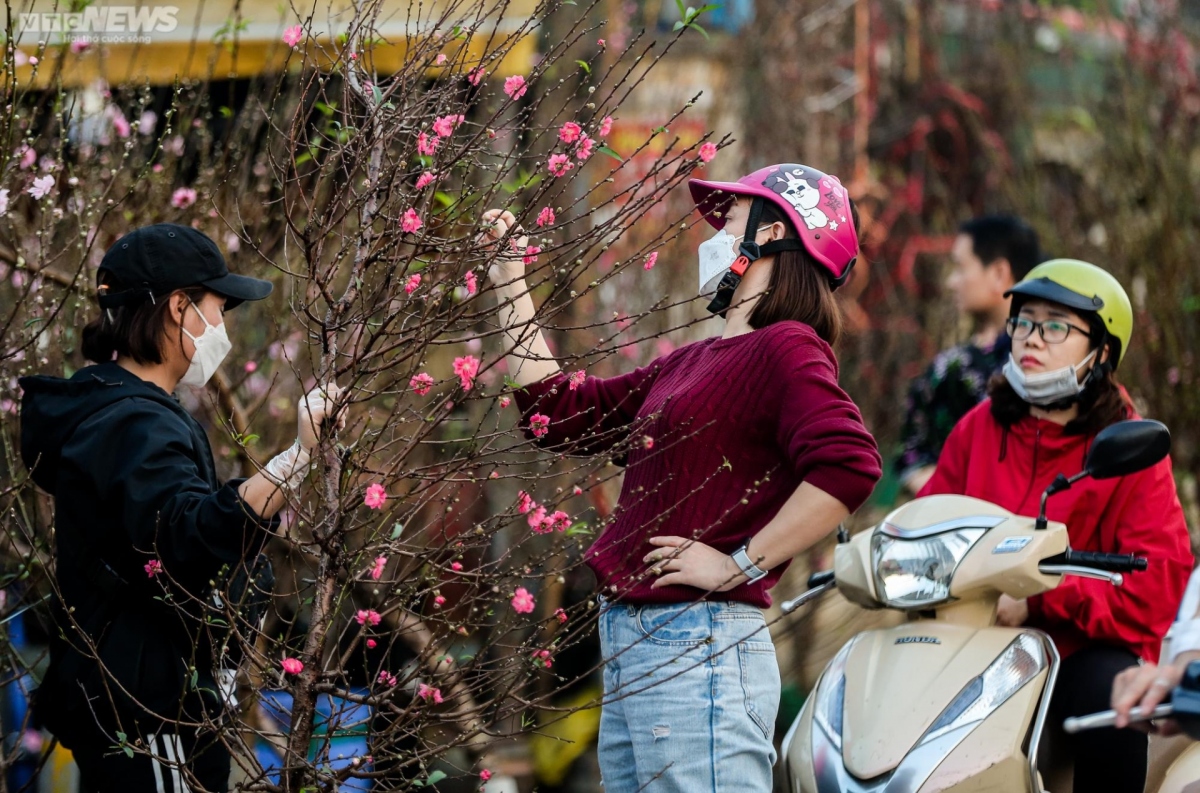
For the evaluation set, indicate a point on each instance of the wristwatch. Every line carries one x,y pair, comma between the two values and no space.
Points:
749,568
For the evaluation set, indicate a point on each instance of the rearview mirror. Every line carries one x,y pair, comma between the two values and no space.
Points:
1127,447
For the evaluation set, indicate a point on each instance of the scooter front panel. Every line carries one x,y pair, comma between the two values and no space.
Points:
899,681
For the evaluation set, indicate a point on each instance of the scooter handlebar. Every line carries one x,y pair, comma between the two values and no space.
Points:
820,578
1112,562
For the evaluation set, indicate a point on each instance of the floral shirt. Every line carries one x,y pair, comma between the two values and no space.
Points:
954,383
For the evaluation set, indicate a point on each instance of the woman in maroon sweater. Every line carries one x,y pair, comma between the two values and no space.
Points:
742,451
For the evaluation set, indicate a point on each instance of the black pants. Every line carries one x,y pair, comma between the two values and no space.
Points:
166,758
1106,760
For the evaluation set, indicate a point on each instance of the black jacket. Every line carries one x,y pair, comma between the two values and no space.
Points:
133,480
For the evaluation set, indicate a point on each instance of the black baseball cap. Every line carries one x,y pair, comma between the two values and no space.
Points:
156,260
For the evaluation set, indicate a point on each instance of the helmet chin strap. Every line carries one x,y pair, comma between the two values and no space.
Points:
748,252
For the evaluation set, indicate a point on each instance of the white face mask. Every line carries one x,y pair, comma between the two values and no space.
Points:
717,254
211,348
1048,387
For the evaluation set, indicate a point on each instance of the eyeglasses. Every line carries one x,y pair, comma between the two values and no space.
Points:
1052,331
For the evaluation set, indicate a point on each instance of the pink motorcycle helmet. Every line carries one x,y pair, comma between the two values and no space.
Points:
816,203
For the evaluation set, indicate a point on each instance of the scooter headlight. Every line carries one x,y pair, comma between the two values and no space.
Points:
831,697
916,573
1021,661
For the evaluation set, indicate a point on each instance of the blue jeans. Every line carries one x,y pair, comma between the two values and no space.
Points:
690,696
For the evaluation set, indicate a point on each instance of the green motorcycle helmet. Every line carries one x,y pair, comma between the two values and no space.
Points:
1083,287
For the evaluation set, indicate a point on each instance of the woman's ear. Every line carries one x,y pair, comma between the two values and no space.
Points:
776,231
178,308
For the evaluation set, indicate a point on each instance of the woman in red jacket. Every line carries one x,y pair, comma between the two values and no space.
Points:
1070,323
741,451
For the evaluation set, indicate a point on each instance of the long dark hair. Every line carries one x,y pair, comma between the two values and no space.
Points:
1101,403
134,330
799,288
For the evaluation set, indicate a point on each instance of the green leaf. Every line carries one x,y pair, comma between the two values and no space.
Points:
1190,304
576,529
303,158
326,109
445,199
195,682
226,112
694,26
376,93
397,530
128,750
584,65
122,737
34,321
609,152
435,777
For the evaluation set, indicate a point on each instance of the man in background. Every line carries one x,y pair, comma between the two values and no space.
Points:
989,256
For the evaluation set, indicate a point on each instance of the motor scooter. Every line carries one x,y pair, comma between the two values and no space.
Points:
949,700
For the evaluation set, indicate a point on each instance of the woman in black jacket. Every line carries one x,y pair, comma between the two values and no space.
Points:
154,557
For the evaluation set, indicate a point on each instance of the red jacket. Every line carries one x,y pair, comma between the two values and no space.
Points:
1139,513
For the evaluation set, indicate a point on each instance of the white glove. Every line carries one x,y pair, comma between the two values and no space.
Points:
288,468
312,411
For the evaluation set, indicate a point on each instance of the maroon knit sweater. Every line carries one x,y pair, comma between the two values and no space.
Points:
736,425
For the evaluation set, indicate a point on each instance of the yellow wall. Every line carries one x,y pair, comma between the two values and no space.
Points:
191,49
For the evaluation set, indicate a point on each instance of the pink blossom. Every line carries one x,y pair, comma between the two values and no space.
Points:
456,566
439,601
569,132
466,368
539,424
651,260
575,379
427,145
79,45
522,601
387,679
505,401
183,198
413,282
525,502
472,282
371,643
515,87
421,383
605,126
152,568
494,475
28,154
561,616
577,491
559,521
537,518
559,164
425,179
707,151
531,252
377,570
444,126
485,775
476,75
251,367
440,60
371,616
584,149
375,496
42,186
293,35
121,124
147,122
293,666
647,442
427,693
601,43
545,217
542,658
411,221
